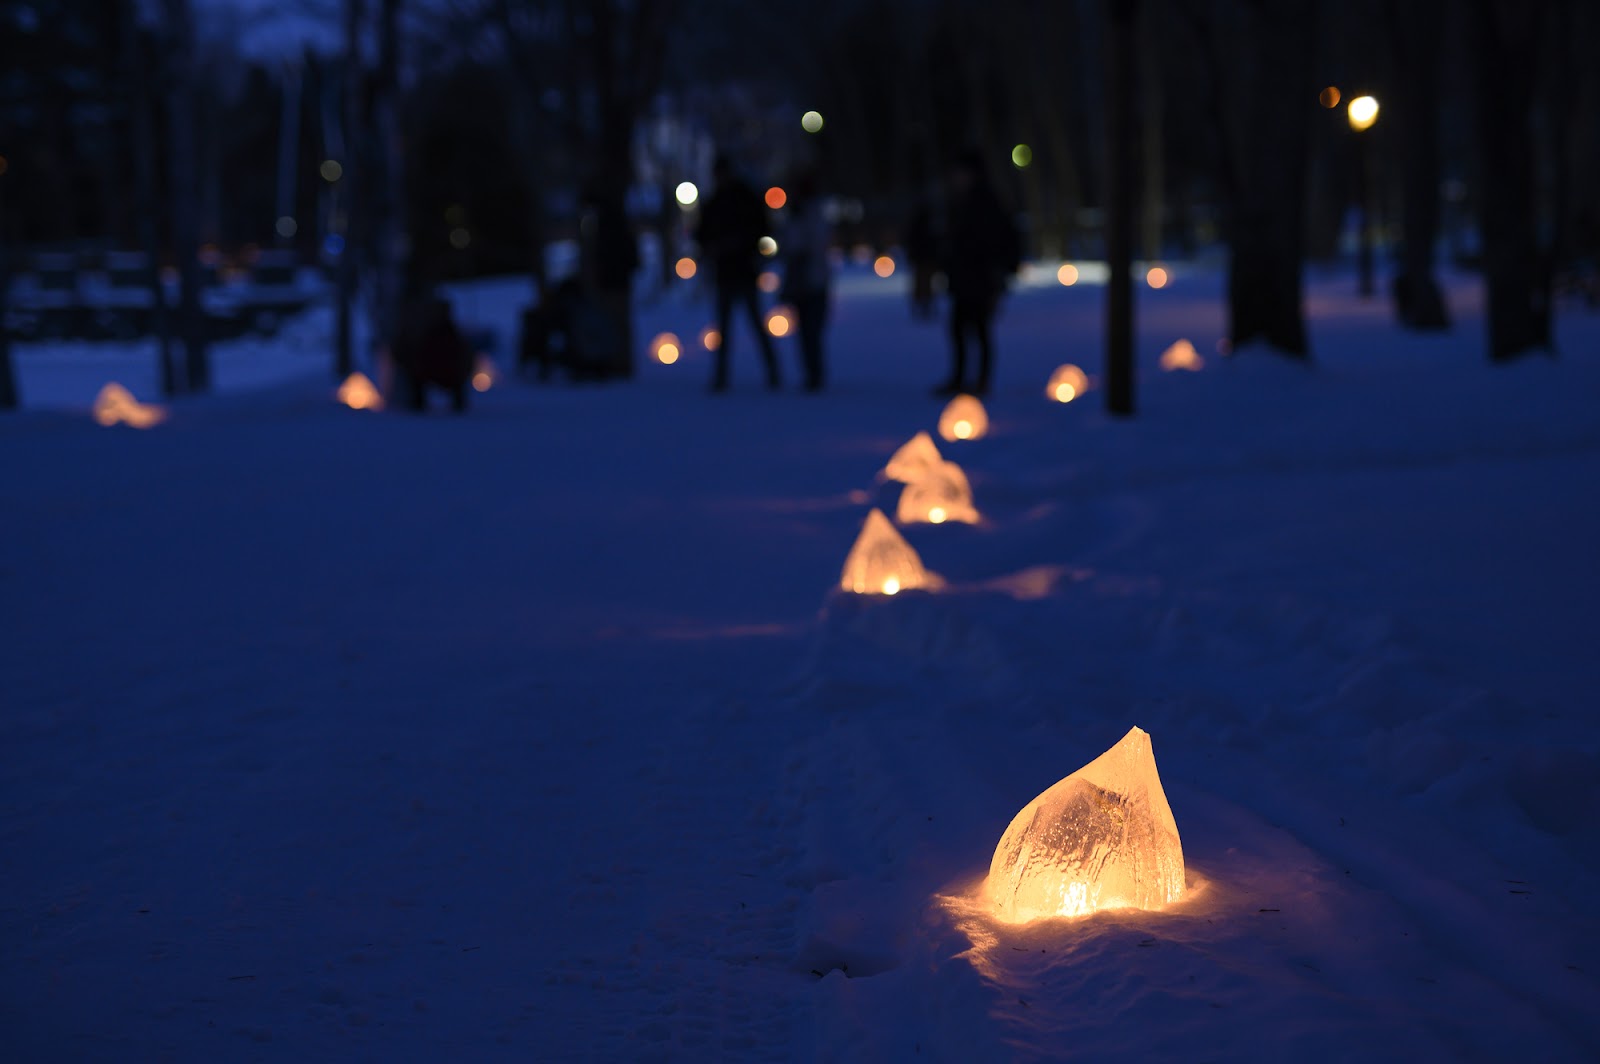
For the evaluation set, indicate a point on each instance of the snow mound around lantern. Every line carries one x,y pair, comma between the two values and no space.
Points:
915,458
940,494
1103,838
882,562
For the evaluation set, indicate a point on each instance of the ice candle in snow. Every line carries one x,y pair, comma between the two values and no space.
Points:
359,393
881,562
1181,355
940,494
1103,838
914,458
963,419
1067,383
115,404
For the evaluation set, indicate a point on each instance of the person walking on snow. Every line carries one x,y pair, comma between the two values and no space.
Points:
732,223
982,250
804,247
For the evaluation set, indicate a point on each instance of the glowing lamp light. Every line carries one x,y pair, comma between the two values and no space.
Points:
779,321
941,494
1156,277
1329,97
484,374
776,198
686,194
883,266
767,246
915,459
964,419
1021,156
1180,356
666,348
1102,838
1362,112
359,393
811,122
1067,275
882,562
686,268
116,405
1067,383
769,282
710,338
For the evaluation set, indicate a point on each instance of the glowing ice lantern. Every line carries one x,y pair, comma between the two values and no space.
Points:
666,348
963,419
1103,838
484,374
115,404
359,393
881,562
1067,383
915,459
941,494
1181,355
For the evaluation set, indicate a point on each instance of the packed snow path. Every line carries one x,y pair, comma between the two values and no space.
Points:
538,734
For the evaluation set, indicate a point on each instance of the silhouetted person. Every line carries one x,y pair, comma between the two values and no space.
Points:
921,243
804,247
611,255
982,249
732,223
429,349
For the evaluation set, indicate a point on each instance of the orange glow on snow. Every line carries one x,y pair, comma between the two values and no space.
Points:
1067,383
359,393
116,405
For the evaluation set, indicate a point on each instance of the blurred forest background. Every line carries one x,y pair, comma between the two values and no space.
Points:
451,139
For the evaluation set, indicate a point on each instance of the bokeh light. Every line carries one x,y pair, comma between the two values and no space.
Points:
686,268
687,193
1363,112
287,227
776,198
779,321
666,348
1021,156
883,266
811,122
767,246
1156,277
460,238
710,338
1330,97
1068,274
331,170
769,281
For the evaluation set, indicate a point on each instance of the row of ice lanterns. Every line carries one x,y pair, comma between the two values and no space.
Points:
1103,837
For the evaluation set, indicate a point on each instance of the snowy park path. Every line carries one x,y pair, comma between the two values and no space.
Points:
538,734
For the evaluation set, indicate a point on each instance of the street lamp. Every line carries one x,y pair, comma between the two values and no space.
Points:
1363,113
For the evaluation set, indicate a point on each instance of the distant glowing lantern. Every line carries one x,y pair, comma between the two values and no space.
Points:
779,321
666,348
1068,274
1021,156
1156,277
686,194
484,373
776,198
767,246
1362,112
1329,97
1181,355
359,393
116,405
685,268
882,562
769,282
710,338
964,419
1067,383
916,457
1102,838
941,494
883,266
811,122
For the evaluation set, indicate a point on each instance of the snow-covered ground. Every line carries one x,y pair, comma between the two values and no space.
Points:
540,733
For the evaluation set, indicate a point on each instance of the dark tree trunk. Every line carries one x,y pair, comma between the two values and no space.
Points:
1515,273
350,198
185,193
1121,132
8,380
1418,300
142,102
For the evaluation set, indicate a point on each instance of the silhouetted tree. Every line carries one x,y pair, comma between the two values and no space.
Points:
1122,131
1415,25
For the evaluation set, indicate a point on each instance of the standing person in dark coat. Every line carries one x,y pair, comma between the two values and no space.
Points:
732,223
982,250
921,243
806,241
610,255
